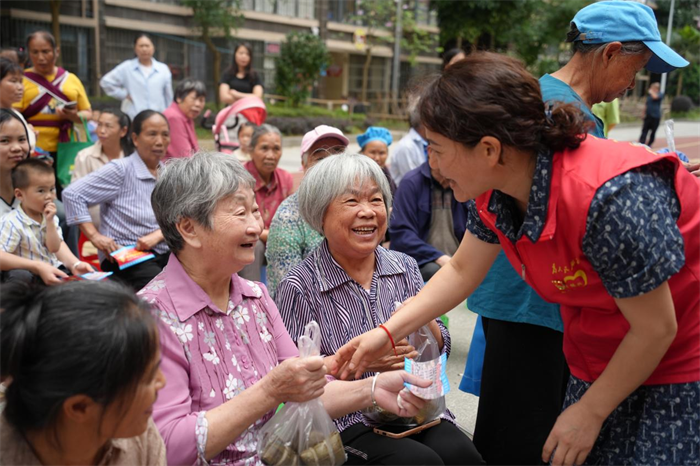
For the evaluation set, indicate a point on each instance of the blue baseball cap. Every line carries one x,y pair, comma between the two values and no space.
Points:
375,133
627,21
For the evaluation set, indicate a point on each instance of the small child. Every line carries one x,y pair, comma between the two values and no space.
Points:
374,143
31,230
245,133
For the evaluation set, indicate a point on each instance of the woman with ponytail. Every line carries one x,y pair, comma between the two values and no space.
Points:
610,231
81,364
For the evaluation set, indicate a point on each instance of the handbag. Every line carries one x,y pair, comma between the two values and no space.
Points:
66,153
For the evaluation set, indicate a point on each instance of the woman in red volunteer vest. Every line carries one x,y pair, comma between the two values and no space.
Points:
608,230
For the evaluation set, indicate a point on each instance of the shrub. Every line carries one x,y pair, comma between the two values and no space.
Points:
681,104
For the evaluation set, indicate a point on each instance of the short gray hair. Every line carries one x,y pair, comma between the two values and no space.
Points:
333,177
191,187
628,48
188,85
261,131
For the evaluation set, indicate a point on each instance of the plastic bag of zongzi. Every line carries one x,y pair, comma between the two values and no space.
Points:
302,433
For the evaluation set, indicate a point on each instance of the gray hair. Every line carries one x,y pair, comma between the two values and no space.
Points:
188,85
191,187
628,48
261,131
334,176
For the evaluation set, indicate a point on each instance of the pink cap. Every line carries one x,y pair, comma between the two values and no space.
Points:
321,132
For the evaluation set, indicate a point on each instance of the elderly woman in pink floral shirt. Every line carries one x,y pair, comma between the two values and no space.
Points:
226,354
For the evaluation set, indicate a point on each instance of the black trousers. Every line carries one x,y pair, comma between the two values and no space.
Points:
650,126
523,384
438,445
138,275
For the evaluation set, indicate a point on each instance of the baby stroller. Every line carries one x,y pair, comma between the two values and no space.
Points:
229,120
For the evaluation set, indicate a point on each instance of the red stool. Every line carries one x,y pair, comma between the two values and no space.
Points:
91,259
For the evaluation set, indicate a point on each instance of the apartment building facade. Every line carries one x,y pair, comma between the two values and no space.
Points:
96,35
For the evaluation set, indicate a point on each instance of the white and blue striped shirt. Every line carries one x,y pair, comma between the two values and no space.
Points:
23,236
123,190
319,289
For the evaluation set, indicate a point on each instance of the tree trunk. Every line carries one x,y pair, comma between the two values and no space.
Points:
679,88
216,64
56,26
459,41
365,74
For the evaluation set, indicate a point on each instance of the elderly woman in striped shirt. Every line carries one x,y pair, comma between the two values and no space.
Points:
123,189
226,354
349,285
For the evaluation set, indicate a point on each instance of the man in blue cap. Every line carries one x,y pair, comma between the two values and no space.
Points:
612,42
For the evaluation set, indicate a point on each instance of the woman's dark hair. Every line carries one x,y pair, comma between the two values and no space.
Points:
20,52
488,94
124,122
188,85
9,67
628,48
143,34
89,338
248,71
142,116
5,115
46,35
449,55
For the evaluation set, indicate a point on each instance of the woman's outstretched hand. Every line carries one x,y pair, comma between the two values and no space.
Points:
355,356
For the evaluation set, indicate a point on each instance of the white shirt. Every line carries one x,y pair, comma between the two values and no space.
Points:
408,154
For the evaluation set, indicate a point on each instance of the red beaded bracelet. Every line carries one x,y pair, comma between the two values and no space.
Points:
391,339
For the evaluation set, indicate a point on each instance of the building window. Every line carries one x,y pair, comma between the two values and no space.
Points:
377,79
293,8
77,50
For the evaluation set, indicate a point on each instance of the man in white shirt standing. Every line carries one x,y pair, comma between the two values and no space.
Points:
412,150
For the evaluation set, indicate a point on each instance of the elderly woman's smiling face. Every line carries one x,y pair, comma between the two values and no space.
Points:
355,222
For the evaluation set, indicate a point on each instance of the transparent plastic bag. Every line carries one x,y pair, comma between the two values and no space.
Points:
302,433
427,347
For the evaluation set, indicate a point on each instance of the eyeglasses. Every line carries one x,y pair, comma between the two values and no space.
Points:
326,151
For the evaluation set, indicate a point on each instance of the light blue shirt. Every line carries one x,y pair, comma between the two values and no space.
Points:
555,90
409,154
152,92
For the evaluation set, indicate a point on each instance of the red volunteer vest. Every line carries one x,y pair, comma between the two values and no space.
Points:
557,269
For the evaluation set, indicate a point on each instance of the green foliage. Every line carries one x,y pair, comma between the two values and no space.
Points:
210,15
380,15
281,110
685,13
302,56
690,82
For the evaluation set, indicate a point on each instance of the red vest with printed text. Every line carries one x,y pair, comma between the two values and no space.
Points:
558,271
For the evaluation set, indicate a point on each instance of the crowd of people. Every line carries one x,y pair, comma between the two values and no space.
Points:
582,266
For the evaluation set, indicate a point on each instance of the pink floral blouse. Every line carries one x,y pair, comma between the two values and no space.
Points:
209,356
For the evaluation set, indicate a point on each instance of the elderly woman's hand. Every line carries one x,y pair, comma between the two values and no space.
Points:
390,389
296,380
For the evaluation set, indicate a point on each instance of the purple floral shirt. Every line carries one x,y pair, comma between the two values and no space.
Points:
209,356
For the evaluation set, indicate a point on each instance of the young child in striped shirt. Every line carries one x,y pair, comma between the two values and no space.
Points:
31,230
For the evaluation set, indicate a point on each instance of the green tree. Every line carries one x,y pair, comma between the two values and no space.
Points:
214,17
378,18
686,41
302,56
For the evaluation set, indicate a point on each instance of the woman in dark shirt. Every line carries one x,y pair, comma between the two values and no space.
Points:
240,80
